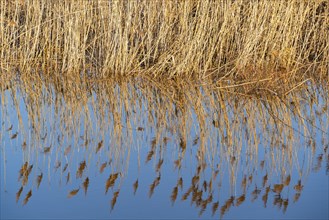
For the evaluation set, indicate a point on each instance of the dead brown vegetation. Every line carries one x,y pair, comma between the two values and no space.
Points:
270,43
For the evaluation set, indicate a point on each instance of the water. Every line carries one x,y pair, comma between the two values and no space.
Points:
138,151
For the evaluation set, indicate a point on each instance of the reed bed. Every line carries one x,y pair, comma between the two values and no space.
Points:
242,40
88,80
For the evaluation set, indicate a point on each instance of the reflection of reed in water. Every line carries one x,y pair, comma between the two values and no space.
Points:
251,140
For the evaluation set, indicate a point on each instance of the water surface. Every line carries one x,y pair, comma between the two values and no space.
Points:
132,150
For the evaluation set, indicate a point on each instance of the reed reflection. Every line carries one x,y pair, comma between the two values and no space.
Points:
225,150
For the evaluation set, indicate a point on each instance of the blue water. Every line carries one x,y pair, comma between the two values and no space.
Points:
128,127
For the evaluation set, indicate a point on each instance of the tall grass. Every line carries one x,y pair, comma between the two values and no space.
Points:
188,39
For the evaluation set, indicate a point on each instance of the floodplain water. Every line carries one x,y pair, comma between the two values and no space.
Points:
136,151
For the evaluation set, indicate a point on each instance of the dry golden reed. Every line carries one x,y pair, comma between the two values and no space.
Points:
188,39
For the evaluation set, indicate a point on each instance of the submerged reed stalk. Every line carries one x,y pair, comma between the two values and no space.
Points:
190,39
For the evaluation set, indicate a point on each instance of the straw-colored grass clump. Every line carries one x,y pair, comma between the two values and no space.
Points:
200,40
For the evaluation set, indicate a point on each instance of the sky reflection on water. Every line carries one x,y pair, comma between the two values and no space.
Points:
133,151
